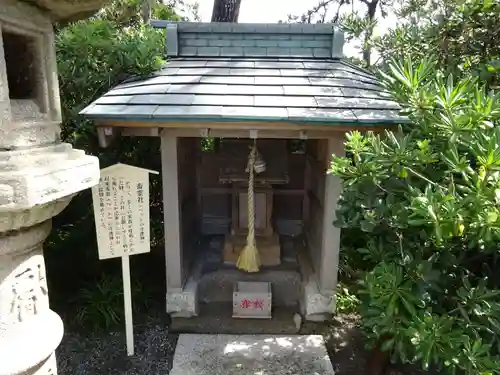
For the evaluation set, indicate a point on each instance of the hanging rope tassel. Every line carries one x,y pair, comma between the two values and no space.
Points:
249,259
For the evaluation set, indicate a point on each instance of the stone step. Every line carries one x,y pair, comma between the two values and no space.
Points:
217,317
218,286
251,354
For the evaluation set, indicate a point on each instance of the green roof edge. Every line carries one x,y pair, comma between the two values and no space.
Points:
299,120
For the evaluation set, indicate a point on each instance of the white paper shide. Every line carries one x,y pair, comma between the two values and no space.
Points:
121,211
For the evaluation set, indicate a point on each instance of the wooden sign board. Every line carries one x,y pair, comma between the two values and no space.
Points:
121,211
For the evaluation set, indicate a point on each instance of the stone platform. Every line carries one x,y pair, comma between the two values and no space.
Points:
294,285
250,355
269,249
218,285
216,317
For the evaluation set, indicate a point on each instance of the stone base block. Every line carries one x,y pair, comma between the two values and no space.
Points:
183,303
268,246
317,306
217,286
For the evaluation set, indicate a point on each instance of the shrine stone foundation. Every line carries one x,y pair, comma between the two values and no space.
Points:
38,177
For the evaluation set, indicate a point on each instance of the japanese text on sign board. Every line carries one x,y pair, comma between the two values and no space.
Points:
121,207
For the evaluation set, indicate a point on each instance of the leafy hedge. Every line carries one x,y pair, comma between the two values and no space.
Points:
93,56
427,199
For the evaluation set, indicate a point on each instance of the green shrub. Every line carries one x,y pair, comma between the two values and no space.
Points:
100,304
346,302
130,12
93,56
428,197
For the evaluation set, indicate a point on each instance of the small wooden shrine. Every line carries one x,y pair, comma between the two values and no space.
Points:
257,89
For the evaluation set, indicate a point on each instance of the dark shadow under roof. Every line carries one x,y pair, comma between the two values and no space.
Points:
299,90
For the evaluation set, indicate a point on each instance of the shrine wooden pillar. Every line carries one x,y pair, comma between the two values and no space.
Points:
330,242
171,212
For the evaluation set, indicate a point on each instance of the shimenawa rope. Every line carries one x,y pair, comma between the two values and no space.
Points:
249,259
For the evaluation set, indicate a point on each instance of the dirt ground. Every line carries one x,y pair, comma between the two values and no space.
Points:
346,347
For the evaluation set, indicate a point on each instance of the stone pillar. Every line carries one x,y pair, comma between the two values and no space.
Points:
171,211
38,177
330,243
319,287
181,299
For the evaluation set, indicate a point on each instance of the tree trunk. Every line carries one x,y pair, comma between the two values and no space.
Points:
378,360
226,10
370,15
147,9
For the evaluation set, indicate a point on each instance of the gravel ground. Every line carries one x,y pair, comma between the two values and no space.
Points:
96,354
87,354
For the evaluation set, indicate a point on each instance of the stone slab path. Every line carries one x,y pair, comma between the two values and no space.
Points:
197,354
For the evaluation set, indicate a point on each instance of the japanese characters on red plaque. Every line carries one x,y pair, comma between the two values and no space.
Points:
252,304
121,210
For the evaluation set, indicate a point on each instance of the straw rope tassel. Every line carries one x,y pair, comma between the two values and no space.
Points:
249,259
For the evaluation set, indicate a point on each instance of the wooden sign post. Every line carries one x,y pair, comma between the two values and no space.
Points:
121,212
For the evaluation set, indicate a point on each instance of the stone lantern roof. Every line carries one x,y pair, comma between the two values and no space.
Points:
68,9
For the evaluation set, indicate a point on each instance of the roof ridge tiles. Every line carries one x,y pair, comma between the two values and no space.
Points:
280,40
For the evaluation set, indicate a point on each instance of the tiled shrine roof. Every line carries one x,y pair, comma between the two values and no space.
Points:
244,72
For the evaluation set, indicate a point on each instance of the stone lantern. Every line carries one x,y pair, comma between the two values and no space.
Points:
38,177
